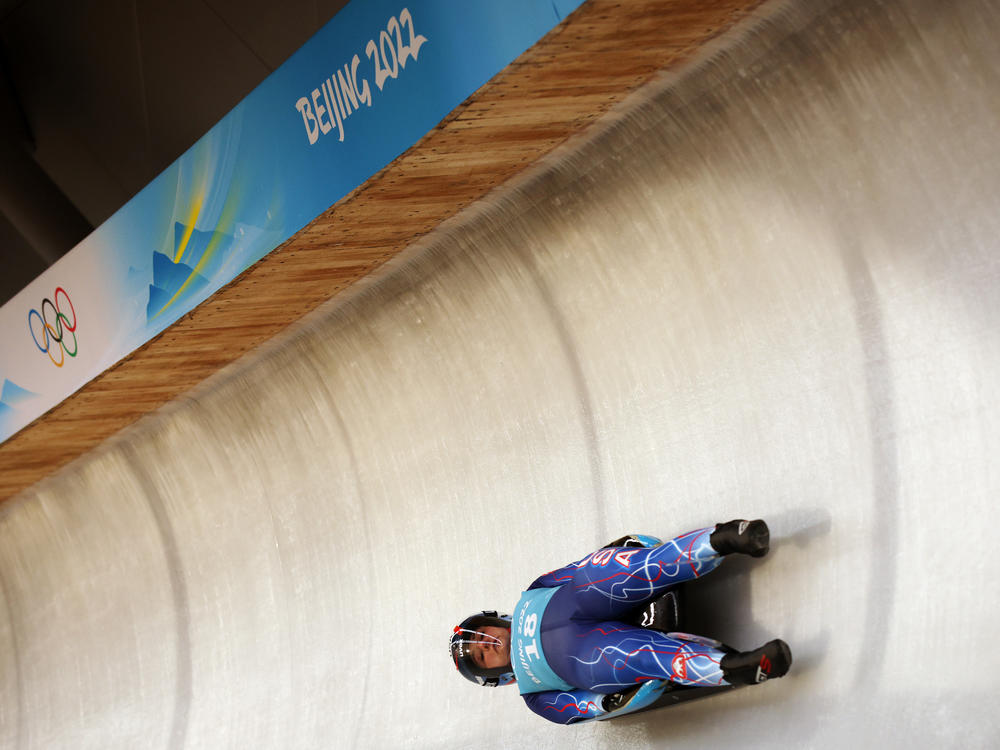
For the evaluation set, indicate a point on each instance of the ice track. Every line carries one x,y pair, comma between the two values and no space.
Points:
772,288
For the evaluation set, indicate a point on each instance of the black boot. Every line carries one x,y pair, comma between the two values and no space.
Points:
750,667
747,537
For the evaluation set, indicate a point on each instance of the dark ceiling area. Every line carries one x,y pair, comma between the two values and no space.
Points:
97,97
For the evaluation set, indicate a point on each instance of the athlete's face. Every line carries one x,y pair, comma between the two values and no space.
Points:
491,647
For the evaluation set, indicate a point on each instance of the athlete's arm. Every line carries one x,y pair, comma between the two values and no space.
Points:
575,706
566,706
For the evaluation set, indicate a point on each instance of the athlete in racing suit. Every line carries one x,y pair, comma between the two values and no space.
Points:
575,659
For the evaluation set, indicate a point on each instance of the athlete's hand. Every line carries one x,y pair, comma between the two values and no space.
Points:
616,700
640,697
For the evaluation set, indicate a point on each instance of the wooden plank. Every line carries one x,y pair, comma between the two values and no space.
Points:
600,54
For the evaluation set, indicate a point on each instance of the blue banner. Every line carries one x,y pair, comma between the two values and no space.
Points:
365,88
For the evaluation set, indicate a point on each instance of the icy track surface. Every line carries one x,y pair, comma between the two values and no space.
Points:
773,289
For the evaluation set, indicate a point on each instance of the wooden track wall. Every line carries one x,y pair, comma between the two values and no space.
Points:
594,59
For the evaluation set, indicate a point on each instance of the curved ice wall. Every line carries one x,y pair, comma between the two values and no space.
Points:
772,289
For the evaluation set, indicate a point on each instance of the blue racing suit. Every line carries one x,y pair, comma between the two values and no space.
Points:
569,647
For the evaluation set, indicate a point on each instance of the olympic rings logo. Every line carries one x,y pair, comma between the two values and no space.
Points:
54,334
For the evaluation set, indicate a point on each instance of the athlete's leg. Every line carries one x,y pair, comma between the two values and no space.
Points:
609,656
616,580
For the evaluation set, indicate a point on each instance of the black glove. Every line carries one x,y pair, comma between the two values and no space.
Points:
628,540
616,701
